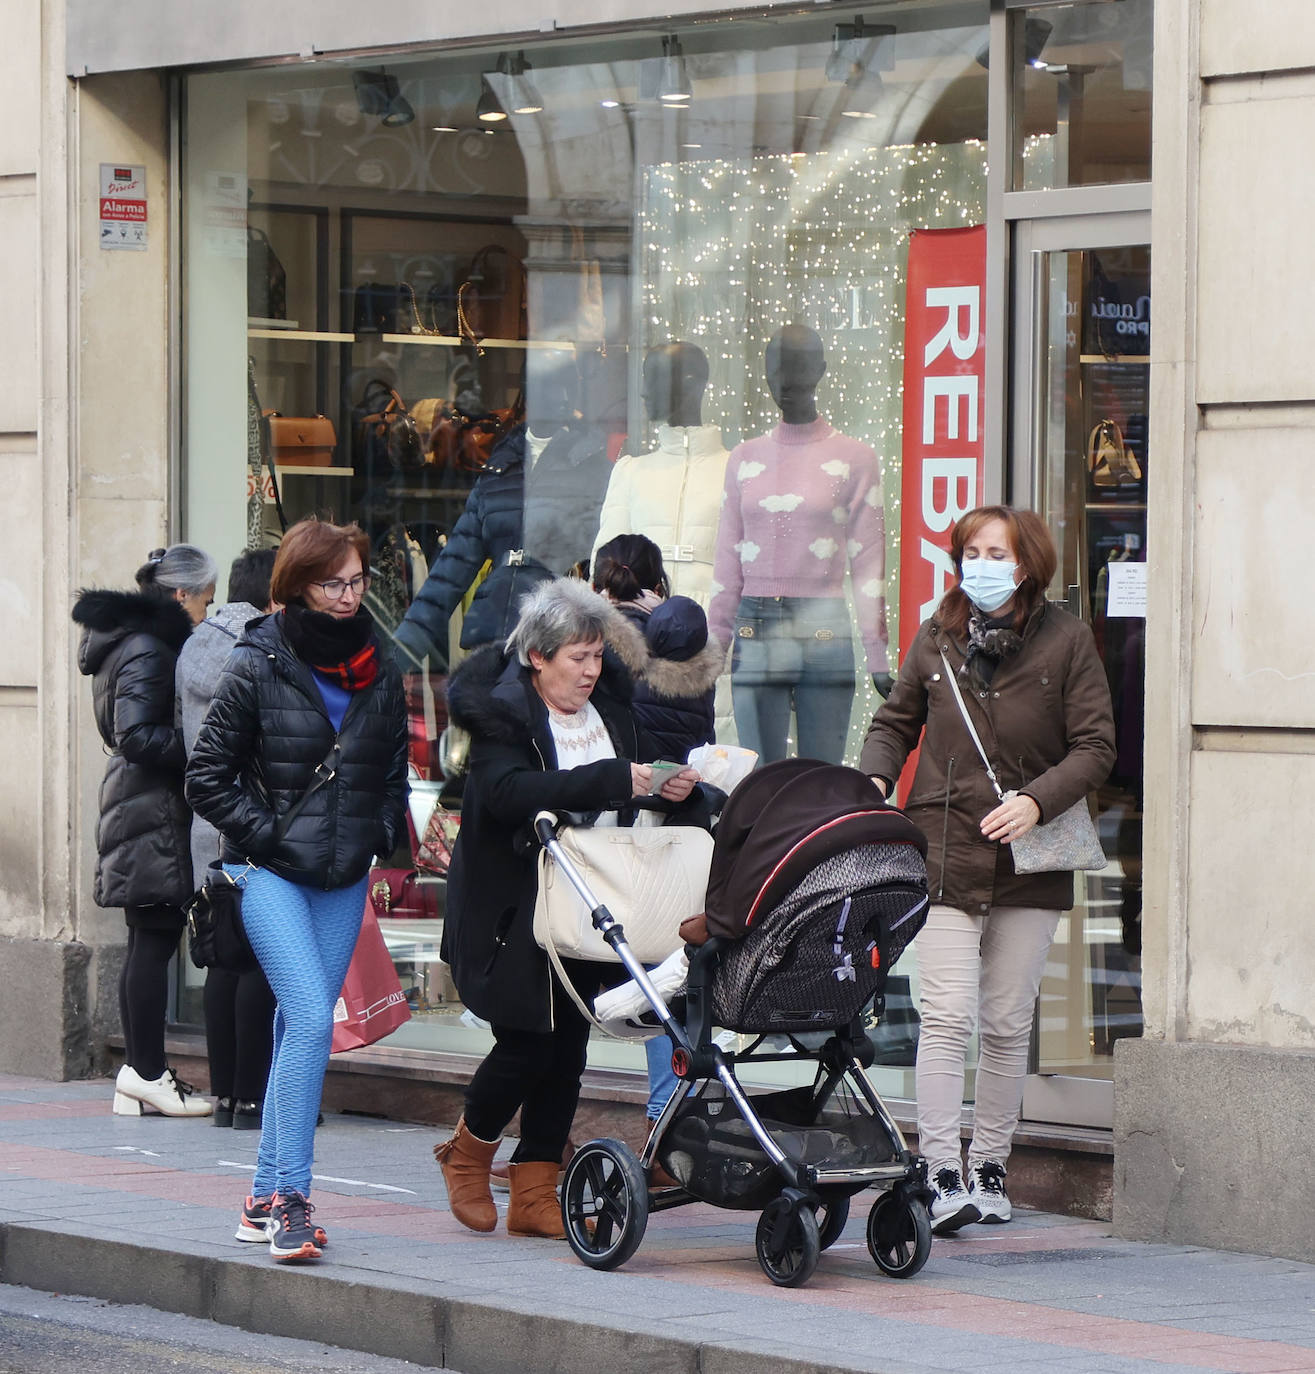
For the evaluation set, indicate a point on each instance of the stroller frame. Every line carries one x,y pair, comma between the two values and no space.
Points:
605,1196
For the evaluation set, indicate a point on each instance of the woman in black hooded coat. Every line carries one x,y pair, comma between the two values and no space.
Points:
129,648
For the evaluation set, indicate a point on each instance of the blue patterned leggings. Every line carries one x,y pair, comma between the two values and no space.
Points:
304,940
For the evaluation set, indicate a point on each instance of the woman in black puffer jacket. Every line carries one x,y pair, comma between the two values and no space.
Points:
129,647
301,767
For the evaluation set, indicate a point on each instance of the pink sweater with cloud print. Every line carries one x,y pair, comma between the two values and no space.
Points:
800,505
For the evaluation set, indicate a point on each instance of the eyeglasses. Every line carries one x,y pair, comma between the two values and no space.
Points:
336,588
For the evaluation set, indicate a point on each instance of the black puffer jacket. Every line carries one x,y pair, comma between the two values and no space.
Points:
488,937
256,755
130,644
565,497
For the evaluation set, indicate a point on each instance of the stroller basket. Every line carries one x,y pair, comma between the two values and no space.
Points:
710,1149
824,951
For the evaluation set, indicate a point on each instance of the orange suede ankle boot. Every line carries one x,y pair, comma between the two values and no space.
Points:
465,1161
534,1209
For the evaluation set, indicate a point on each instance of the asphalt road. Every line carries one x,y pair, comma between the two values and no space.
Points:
46,1333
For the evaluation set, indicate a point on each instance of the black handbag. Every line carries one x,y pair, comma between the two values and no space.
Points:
386,433
216,937
267,280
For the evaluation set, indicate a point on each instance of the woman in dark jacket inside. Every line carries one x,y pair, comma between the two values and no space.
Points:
129,647
300,765
1036,691
550,726
674,663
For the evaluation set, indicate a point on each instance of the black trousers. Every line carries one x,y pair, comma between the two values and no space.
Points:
239,1033
144,985
537,1073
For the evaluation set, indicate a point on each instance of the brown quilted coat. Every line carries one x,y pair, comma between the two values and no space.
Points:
1047,725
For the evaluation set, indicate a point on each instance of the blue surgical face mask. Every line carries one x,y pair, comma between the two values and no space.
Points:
988,582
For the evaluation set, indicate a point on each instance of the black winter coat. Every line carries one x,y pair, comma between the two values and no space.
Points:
565,498
676,668
488,937
129,648
262,739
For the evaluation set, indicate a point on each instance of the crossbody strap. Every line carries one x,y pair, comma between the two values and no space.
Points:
325,771
972,729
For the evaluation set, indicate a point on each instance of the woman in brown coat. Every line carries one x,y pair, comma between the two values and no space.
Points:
1036,690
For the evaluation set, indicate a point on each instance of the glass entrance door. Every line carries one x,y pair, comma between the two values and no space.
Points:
1081,382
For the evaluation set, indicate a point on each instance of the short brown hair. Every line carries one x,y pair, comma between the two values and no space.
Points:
1037,558
311,551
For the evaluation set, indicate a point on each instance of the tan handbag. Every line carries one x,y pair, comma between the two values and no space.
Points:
650,879
301,440
1109,460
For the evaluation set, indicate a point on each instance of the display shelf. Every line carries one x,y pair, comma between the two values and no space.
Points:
305,335
1117,358
311,470
278,326
455,341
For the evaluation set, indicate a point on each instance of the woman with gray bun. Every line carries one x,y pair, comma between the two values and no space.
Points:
129,649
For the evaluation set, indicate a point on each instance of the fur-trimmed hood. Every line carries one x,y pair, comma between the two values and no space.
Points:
673,653
109,616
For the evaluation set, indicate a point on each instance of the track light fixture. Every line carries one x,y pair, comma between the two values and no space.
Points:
858,53
377,93
1036,34
674,83
488,109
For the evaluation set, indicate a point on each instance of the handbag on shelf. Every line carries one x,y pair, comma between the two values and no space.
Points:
1064,843
387,430
491,298
1110,461
398,894
378,308
216,937
301,440
372,1004
650,879
267,280
462,442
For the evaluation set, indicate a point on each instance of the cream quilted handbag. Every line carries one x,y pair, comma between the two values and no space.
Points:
649,879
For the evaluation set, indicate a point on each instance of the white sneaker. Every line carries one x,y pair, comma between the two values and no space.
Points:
168,1095
986,1187
951,1207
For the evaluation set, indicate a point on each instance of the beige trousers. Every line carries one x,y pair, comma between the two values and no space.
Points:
983,972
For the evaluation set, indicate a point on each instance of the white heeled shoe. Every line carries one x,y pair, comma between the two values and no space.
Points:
167,1094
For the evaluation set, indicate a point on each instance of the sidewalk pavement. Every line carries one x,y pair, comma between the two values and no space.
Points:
143,1210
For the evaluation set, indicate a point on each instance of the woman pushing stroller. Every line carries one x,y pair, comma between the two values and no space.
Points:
550,727
1034,685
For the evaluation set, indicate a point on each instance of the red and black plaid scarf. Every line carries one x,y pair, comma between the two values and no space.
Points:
342,649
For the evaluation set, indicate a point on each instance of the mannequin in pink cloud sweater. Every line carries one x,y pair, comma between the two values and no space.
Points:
801,505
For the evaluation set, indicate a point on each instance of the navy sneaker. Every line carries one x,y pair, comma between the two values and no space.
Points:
986,1187
253,1225
951,1206
291,1236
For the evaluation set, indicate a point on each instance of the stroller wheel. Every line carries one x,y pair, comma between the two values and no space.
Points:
832,1214
899,1234
604,1203
787,1242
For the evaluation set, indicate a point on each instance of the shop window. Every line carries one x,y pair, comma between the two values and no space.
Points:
402,277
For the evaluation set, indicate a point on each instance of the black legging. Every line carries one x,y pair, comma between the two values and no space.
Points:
144,996
537,1072
239,1033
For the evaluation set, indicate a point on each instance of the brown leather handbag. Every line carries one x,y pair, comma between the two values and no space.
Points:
301,440
491,299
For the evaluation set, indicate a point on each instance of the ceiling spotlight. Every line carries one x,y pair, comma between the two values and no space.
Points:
522,97
609,104
1036,34
488,109
674,82
858,53
377,93
445,128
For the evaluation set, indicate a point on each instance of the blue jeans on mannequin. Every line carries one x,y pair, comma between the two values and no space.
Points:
304,939
793,651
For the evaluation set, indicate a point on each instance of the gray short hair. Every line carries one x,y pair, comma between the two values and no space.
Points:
563,611
179,568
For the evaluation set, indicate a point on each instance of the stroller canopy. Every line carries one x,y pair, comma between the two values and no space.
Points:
780,823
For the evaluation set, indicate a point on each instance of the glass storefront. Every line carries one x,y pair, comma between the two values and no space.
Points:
398,270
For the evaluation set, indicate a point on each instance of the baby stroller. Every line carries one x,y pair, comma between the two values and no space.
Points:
815,889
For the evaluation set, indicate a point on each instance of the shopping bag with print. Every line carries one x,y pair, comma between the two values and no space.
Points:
372,1003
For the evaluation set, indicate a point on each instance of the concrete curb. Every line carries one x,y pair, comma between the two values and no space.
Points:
362,1310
